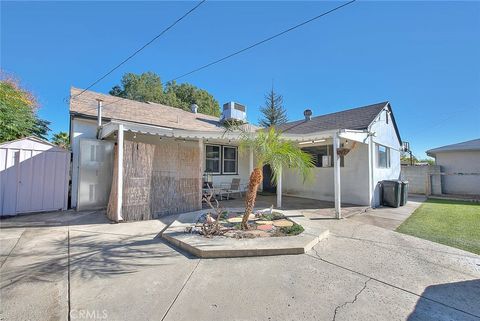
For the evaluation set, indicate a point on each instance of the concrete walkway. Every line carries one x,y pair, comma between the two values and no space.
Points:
389,217
306,206
78,264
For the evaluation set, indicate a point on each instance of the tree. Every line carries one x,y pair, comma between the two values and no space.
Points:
428,160
406,158
144,87
18,117
148,87
274,113
61,139
270,149
188,94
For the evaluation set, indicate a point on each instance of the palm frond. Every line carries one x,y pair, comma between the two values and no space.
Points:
269,148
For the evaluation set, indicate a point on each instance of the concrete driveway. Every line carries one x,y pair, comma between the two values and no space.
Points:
57,264
389,217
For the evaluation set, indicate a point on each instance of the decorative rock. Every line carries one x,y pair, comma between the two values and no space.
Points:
237,219
260,222
267,227
283,223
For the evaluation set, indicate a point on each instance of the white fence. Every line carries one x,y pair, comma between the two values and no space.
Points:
34,177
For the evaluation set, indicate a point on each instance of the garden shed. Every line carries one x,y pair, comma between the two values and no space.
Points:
34,176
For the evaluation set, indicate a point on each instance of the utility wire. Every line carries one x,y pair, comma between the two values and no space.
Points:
141,48
263,41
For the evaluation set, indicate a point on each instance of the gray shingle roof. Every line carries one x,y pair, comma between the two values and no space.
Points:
356,118
463,146
140,112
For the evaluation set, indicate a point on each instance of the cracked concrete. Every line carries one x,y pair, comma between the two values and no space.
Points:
338,307
128,273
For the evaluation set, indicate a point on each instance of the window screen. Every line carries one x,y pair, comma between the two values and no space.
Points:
212,159
229,160
383,156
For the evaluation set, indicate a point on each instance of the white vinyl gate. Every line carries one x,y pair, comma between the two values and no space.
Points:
34,176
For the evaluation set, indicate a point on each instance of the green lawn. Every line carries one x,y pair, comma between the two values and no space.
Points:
452,223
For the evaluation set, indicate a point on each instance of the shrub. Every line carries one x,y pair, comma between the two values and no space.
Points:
272,217
295,229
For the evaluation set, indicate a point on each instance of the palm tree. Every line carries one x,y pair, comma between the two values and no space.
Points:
62,140
271,149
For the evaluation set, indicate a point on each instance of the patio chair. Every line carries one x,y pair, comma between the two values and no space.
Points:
232,188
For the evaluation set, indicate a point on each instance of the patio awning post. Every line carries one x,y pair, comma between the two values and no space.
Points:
279,189
336,177
120,172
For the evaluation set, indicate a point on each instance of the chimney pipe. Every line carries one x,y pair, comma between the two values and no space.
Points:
99,112
308,114
194,108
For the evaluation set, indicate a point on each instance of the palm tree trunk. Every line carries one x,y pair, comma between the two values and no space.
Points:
255,179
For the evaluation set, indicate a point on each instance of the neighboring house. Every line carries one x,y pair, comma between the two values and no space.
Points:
34,176
165,152
460,166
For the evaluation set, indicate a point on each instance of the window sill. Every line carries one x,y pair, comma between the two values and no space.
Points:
225,174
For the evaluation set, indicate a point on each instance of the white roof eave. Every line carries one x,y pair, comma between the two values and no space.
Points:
111,127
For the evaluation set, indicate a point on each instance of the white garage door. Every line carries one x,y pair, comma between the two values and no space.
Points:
34,176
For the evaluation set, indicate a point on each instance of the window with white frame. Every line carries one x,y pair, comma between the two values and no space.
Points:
212,159
383,156
221,159
229,160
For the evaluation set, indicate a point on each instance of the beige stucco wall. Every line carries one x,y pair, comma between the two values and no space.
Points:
460,162
418,176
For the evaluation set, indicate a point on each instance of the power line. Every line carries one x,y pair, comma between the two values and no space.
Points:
263,41
141,48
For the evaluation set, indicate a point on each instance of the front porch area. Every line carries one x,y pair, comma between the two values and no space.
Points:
310,208
160,171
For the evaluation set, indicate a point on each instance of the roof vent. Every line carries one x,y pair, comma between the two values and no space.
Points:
194,108
234,111
308,114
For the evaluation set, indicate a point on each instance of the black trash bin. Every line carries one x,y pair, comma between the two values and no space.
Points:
391,193
404,198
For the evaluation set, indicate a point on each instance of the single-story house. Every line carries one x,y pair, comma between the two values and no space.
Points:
164,153
460,167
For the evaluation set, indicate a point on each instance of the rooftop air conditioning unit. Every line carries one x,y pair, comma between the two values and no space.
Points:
234,111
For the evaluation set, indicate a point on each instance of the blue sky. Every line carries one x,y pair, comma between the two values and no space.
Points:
423,57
